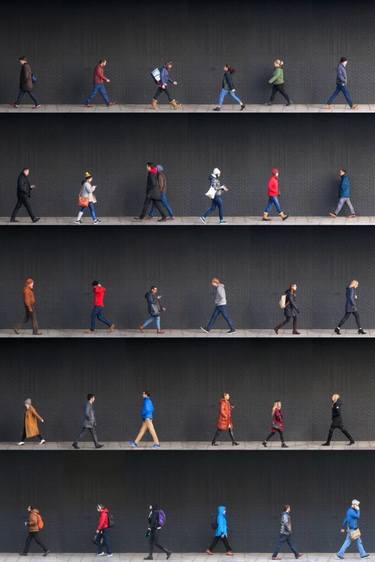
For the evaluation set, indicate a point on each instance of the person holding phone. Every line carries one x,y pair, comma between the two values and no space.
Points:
154,308
215,193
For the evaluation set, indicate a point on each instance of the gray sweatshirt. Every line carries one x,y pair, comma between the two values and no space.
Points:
220,297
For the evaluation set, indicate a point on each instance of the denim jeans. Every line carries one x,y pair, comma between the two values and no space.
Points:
224,93
97,313
150,320
165,203
217,203
220,310
98,89
342,202
282,540
348,541
105,544
21,94
273,201
91,208
344,90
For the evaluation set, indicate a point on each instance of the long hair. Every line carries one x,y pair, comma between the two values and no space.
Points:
230,68
275,406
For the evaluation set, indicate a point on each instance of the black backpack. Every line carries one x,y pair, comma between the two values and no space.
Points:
111,519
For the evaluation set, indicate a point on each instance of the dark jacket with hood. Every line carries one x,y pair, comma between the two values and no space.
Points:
291,309
336,413
153,305
227,83
23,185
26,78
152,185
153,518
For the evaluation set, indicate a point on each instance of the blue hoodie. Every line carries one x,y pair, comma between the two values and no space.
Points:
147,408
351,518
344,189
221,519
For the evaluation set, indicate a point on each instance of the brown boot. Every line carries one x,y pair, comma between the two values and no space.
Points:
154,104
283,215
175,105
266,217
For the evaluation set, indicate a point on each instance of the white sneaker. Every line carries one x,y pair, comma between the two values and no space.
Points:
42,442
21,443
109,555
101,554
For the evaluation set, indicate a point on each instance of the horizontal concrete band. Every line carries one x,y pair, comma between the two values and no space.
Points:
185,557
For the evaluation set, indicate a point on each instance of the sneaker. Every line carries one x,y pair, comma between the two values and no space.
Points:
333,215
235,443
217,108
109,555
340,557
208,551
17,331
205,330
232,331
21,443
365,556
326,444
42,442
264,443
223,222
133,444
97,221
284,446
89,105
46,553
99,446
243,106
229,553
36,219
276,558
163,219
362,331
75,446
101,554
298,556
149,557
37,107
214,444
338,331
352,216
77,221
203,219
155,446
112,327
14,105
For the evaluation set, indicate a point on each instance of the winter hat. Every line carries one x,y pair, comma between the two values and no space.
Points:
28,402
216,172
275,171
88,175
160,168
356,502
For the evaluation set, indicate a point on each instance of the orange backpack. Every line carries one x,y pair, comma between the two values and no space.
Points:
40,521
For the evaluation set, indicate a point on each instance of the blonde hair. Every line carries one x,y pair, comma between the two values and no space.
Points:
215,280
354,282
275,406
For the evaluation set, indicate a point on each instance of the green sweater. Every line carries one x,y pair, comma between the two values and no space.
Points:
277,77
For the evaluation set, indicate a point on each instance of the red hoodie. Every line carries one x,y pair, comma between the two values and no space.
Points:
103,519
273,184
99,77
99,293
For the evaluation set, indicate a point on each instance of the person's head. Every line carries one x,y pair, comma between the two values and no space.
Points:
91,398
293,287
88,176
278,63
154,290
160,168
286,508
30,508
102,62
342,172
355,504
95,283
27,403
344,61
150,166
169,65
226,396
229,68
216,172
275,172
26,171
335,397
22,60
99,507
276,405
215,282
29,282
354,284
146,394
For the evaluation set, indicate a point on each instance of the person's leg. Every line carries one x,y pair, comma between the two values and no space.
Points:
100,316
157,543
92,211
215,540
166,91
106,543
214,439
148,322
291,545
141,432
282,91
226,544
269,437
26,203
273,93
146,206
347,95
29,538
211,209
220,205
330,433
224,313
81,434
33,99
94,91
157,322
269,205
103,92
360,547
213,318
34,322
222,95
357,319
159,207
235,97
275,201
158,93
16,208
231,435
347,434
281,435
334,95
294,323
345,546
39,542
152,212
23,434
20,96
343,319
151,543
350,206
94,436
93,318
151,429
279,545
165,202
340,205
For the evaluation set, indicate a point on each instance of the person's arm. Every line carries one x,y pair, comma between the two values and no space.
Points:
36,414
102,521
223,410
28,300
275,76
351,297
230,82
28,72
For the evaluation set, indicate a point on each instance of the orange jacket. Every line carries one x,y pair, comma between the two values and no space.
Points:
28,298
224,420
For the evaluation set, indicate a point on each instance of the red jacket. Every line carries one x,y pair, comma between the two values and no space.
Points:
99,77
103,519
224,420
99,293
273,186
278,420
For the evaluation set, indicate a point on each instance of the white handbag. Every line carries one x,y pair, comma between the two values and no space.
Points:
211,193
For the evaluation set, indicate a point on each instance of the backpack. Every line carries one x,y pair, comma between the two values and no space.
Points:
111,519
34,78
40,521
282,301
156,74
162,518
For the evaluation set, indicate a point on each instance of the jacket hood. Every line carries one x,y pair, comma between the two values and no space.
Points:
216,172
104,510
154,170
275,171
34,511
160,168
221,510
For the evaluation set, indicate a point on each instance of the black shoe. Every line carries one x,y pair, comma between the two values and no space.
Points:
98,445
243,106
46,553
149,557
362,331
264,443
169,554
351,443
204,330
232,331
217,108
36,219
75,445
276,330
284,446
338,331
326,444
214,444
13,220
268,103
235,443
23,554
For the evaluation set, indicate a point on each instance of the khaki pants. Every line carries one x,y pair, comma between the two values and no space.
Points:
147,425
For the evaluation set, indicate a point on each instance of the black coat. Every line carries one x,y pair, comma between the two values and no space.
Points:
26,78
23,185
291,309
227,83
152,186
336,414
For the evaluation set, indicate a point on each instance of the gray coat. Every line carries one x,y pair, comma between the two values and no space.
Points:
285,524
220,296
89,420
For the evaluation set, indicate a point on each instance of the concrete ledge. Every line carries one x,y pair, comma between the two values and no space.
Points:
176,557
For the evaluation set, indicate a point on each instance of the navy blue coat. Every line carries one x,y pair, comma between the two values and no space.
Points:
350,305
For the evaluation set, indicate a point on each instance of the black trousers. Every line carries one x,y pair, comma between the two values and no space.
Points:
23,438
21,94
218,431
282,540
279,88
154,542
286,321
281,435
341,428
92,431
347,315
33,537
225,542
30,315
147,205
22,199
160,91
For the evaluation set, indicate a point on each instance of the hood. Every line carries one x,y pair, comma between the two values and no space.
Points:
275,171
160,168
104,510
34,511
221,510
154,170
216,172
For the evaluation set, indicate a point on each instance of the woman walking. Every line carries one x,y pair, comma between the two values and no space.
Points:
278,425
87,199
277,82
224,420
30,424
289,304
215,193
220,527
351,308
227,88
154,309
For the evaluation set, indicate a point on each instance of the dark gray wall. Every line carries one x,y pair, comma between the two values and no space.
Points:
308,150
65,42
256,265
186,379
253,486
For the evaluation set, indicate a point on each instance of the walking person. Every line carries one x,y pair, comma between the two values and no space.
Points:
162,180
153,193
337,421
34,525
147,414
27,81
103,530
224,420
30,427
29,302
99,82
24,189
156,521
344,195
89,423
162,78
154,309
341,85
227,88
215,193
220,526
273,197
351,308
288,303
278,425
285,535
220,307
97,312
353,533
87,199
277,82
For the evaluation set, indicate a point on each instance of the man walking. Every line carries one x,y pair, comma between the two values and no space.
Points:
89,423
27,79
97,312
29,302
351,308
162,179
344,195
24,189
34,525
99,81
353,534
285,534
220,307
103,530
147,413
163,81
153,193
273,197
337,421
341,85
156,521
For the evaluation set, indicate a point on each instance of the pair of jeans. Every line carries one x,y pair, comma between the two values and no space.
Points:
97,313
282,540
92,431
98,89
225,542
154,542
220,309
150,202
31,537
218,431
217,203
165,202
342,429
159,91
21,94
273,201
275,430
30,315
231,93
348,541
342,202
22,199
104,544
347,315
91,208
150,320
286,321
279,88
344,90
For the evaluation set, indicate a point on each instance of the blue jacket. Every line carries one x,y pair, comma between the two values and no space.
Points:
341,77
147,408
351,304
351,518
164,76
344,189
221,519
